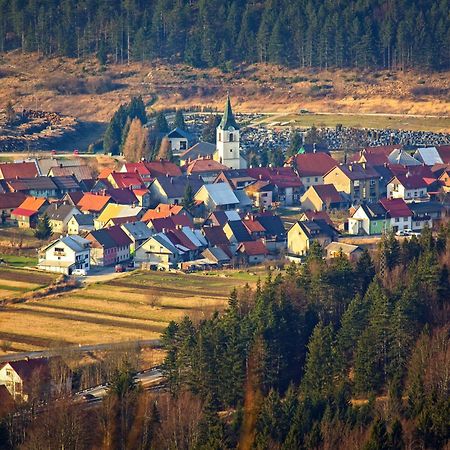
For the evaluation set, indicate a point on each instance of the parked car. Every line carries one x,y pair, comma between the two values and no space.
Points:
402,233
119,268
79,272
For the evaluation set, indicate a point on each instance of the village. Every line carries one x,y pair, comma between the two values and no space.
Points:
213,210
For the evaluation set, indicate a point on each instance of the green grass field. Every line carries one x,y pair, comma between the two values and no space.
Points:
135,307
18,261
437,124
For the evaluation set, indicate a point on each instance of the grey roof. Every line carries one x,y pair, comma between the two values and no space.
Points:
374,211
66,182
84,219
175,187
162,239
239,231
137,230
398,156
315,228
179,133
60,212
346,248
221,194
217,253
426,207
244,199
76,243
428,155
228,117
199,149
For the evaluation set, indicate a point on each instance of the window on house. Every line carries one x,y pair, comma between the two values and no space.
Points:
356,183
316,179
307,179
372,182
9,373
220,136
231,137
397,219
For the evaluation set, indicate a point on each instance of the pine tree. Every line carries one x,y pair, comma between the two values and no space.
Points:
136,110
320,367
396,436
10,113
43,228
209,130
161,125
179,120
277,158
188,198
378,439
295,144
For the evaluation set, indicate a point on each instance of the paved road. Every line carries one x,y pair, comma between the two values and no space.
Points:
152,343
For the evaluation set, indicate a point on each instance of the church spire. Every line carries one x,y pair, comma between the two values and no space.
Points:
228,117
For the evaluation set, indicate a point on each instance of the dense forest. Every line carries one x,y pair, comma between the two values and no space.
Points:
325,355
394,34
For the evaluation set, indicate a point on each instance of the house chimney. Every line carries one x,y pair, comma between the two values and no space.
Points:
350,167
314,148
363,164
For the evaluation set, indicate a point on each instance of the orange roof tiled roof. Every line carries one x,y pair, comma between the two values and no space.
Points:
105,173
253,226
9,171
93,202
33,203
253,248
161,211
204,165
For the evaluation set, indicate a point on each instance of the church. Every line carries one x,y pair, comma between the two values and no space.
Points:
228,150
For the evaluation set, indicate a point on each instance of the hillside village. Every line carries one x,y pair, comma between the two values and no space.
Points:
213,209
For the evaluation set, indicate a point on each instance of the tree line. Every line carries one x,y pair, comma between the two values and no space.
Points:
209,33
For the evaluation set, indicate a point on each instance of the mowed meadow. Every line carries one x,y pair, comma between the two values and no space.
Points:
135,307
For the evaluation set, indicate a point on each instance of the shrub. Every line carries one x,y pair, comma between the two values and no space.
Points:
428,90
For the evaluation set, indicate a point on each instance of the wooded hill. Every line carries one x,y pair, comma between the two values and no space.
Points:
395,34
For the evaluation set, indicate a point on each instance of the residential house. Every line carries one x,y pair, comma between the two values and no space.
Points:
9,201
59,216
80,172
216,237
37,187
128,180
112,211
217,196
216,256
444,180
236,232
11,171
179,140
165,210
161,224
322,197
80,224
222,217
409,187
359,181
316,215
399,216
205,167
27,214
143,197
148,170
302,234
65,254
237,178
336,249
275,232
251,252
368,219
72,198
171,190
200,149
255,229
65,185
402,158
312,167
109,246
288,187
138,232
427,214
123,196
428,156
261,193
444,153
159,251
93,203
21,377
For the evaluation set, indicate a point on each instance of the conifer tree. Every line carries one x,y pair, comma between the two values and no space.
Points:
295,144
43,229
378,439
161,125
188,198
179,120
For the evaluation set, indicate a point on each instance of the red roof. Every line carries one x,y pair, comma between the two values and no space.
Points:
396,207
23,212
374,159
126,179
215,235
177,236
170,223
18,170
314,164
328,193
279,176
422,170
119,236
252,248
93,202
139,168
383,149
319,215
253,226
444,153
201,165
412,181
162,210
11,200
33,203
163,168
122,196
